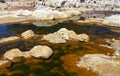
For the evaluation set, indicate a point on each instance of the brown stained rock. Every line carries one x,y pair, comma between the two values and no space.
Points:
32,61
70,65
5,64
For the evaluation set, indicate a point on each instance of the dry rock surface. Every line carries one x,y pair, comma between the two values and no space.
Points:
50,14
41,51
115,44
28,34
11,54
102,64
62,35
113,20
12,38
41,14
37,52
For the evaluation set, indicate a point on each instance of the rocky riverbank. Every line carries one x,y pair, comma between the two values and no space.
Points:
42,14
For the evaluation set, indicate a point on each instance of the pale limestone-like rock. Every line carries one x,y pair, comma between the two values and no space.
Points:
64,34
26,54
72,12
54,38
60,15
113,20
23,13
13,53
43,15
115,44
8,39
83,37
41,51
102,64
28,34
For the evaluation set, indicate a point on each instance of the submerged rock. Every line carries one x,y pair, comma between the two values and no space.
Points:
64,34
28,34
13,53
41,51
8,39
102,64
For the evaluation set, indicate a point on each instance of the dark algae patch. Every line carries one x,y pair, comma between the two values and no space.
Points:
66,55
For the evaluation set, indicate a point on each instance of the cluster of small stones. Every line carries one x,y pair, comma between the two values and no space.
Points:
97,4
